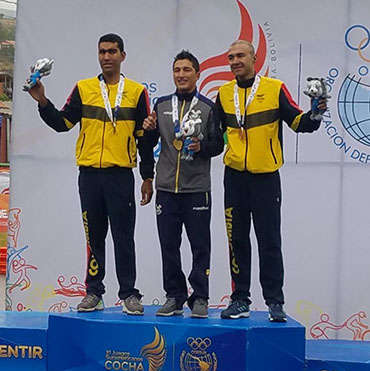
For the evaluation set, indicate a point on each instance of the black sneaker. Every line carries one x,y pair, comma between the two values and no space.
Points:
276,313
236,309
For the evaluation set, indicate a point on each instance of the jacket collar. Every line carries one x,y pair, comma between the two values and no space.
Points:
186,96
245,83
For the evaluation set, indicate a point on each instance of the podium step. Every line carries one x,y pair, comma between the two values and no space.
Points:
23,340
111,340
337,355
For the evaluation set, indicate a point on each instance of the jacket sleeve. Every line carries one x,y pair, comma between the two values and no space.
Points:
290,112
221,113
144,145
67,117
213,143
153,135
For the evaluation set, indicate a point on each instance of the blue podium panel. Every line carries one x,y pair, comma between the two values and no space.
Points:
111,340
337,355
23,340
277,347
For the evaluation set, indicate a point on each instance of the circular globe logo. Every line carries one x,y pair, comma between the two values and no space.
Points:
200,363
354,109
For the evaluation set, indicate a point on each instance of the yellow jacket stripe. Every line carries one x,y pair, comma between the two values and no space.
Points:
99,143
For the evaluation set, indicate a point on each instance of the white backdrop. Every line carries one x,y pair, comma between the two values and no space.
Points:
325,177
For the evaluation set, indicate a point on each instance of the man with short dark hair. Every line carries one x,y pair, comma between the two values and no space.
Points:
183,184
252,110
110,109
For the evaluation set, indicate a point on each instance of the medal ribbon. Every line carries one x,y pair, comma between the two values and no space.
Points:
175,111
104,92
239,117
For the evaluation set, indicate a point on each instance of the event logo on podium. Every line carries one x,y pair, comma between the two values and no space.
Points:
154,353
215,70
353,98
198,358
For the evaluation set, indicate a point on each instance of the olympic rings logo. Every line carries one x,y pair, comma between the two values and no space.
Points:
364,42
199,343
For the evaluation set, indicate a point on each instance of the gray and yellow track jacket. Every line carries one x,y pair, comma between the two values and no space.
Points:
173,173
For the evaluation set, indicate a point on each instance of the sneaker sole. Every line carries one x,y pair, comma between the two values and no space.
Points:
199,315
90,309
236,316
277,319
174,313
132,313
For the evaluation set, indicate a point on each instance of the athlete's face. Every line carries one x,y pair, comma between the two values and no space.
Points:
110,58
241,60
185,76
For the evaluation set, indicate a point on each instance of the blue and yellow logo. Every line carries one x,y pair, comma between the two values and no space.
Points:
198,359
353,100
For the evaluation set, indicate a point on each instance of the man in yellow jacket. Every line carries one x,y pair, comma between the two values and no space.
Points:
110,109
252,109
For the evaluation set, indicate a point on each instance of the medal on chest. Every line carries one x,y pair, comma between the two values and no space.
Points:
239,118
178,142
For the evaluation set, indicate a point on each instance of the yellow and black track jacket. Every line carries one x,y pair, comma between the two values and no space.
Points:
259,147
99,144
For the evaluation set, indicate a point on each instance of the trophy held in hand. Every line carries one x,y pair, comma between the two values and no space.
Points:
41,68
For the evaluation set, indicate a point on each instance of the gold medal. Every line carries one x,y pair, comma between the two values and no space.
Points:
241,133
177,144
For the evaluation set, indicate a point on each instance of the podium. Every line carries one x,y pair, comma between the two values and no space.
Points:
111,340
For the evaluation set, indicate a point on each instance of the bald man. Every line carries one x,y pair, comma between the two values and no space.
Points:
252,109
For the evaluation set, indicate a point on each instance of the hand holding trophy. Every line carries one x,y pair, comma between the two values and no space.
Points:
318,92
41,68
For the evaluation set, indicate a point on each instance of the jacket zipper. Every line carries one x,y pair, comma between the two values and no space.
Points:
179,152
272,151
102,142
102,139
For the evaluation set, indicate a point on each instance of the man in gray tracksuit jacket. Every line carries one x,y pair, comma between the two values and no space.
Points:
183,185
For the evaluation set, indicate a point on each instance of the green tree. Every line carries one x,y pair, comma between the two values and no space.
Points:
7,30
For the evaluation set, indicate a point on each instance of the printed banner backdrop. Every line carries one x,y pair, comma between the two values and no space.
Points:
325,177
4,204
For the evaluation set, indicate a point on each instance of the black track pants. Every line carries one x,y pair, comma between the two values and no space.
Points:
107,196
193,210
258,197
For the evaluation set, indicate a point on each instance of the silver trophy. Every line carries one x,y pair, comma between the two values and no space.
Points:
40,69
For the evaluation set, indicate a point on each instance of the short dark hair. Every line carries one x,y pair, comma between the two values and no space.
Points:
112,38
185,54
